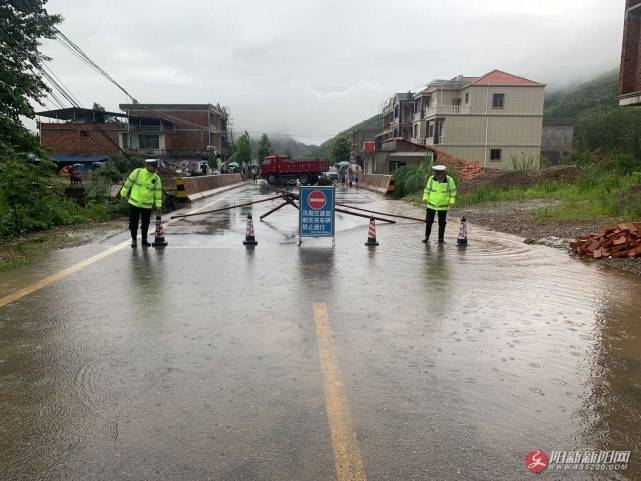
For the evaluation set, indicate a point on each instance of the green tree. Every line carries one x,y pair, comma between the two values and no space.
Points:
342,149
243,150
264,148
22,25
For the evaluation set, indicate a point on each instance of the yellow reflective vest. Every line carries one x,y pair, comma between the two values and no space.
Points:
439,195
143,189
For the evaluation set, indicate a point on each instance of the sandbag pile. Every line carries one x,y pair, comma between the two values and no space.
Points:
622,240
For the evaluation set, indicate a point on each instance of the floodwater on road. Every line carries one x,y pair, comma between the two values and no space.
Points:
208,360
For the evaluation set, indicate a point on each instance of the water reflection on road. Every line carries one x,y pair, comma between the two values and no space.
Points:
201,360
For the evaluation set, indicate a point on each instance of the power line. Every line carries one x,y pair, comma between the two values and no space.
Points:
78,52
93,64
60,82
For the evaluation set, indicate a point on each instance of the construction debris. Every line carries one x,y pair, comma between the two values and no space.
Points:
622,240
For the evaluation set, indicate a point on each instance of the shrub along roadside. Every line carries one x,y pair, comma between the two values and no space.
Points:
32,199
410,180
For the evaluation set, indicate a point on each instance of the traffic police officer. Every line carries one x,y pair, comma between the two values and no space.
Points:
144,192
439,194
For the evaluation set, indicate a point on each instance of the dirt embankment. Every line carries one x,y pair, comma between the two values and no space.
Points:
519,217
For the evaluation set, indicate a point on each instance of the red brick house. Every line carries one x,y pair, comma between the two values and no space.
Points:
630,75
186,131
178,129
77,131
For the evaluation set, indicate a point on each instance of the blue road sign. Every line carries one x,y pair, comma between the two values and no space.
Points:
316,213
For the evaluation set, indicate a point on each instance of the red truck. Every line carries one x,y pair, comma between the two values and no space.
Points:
280,169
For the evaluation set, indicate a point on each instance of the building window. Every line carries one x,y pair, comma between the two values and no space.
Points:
498,101
495,154
149,142
394,165
456,102
415,130
430,130
467,98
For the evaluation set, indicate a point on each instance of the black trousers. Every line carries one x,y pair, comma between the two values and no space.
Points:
138,214
429,220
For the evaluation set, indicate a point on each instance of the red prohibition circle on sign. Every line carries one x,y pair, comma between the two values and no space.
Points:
316,199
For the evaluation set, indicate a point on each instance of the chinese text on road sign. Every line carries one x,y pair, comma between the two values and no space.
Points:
316,214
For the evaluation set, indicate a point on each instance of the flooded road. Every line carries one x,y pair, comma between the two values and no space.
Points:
403,362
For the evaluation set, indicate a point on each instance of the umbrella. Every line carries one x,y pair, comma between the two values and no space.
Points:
343,163
232,164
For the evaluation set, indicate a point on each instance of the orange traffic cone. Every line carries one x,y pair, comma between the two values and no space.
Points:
250,240
159,236
462,233
371,233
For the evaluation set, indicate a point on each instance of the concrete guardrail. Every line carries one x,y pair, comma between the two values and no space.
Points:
189,187
377,182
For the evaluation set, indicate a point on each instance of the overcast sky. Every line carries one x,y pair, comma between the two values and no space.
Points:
311,68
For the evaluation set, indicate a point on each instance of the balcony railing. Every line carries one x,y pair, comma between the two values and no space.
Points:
146,129
448,109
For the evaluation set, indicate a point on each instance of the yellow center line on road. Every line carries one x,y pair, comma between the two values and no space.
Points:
347,456
50,279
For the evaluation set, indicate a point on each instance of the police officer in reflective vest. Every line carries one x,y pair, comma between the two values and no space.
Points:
144,193
439,194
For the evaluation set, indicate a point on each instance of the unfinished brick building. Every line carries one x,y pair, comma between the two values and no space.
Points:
185,131
178,129
630,76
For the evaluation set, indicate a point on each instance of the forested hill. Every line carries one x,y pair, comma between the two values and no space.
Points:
570,103
324,151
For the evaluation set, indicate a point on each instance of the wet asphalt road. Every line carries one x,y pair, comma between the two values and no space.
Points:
211,361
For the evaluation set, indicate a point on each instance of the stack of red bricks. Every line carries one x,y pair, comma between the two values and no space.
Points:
469,170
623,240
466,169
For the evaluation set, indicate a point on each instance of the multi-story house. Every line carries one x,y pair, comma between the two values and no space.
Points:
630,76
495,119
177,129
397,117
163,130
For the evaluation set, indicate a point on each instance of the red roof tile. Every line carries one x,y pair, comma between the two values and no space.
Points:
498,77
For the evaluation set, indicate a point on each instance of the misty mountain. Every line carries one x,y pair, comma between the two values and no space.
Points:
289,146
283,145
324,150
569,103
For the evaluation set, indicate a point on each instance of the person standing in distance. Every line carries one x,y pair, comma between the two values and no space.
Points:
143,192
439,194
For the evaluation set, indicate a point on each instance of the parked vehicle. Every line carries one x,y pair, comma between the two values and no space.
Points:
280,169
